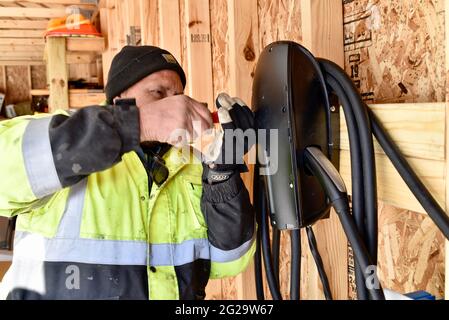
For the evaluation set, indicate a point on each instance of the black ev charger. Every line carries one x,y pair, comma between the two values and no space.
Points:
296,181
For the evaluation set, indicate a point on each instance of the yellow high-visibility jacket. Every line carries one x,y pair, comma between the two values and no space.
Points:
89,227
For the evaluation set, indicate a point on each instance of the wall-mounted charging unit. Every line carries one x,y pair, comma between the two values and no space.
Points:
290,96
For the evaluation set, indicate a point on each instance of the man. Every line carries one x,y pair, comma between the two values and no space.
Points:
107,209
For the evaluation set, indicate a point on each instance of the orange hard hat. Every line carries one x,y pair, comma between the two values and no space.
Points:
73,25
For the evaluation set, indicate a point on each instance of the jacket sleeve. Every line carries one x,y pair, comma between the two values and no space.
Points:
43,154
231,225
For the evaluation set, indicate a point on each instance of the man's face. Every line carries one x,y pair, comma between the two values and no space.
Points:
156,86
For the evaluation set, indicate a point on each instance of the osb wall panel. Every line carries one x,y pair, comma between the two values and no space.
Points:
395,49
395,52
17,84
38,77
279,20
410,252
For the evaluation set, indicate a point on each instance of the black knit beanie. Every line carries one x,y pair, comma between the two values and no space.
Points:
133,63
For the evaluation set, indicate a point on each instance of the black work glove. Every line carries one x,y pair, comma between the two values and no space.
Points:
239,135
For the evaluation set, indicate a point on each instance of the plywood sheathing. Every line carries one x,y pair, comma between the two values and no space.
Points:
395,52
17,84
279,20
395,49
38,77
411,252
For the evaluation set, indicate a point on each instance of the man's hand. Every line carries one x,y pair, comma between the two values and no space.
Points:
235,119
160,119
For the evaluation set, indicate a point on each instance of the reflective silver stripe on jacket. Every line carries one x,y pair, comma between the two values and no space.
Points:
218,255
38,158
67,246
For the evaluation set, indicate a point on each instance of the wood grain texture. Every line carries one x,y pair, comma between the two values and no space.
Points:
170,33
395,52
411,252
199,53
243,55
279,20
149,22
417,129
395,49
446,44
17,85
322,33
57,71
196,59
38,77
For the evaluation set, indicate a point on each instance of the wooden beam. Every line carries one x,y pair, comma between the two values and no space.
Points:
81,57
243,54
417,128
14,48
149,22
24,59
199,73
199,51
107,54
80,100
36,55
19,33
132,22
85,44
170,34
23,24
21,63
30,83
322,32
20,12
22,41
313,16
57,71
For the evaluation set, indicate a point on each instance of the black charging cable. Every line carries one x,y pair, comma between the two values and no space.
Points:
363,170
419,190
332,183
319,263
266,248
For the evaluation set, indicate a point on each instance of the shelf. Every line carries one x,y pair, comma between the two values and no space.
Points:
78,98
46,92
85,44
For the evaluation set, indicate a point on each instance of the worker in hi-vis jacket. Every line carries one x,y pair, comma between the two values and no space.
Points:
108,209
